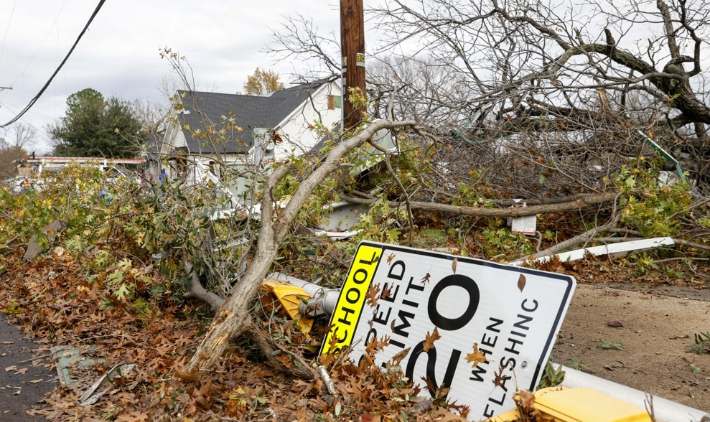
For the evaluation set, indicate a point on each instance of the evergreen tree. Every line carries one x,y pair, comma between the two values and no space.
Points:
95,127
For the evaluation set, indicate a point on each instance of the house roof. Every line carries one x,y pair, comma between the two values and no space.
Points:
208,109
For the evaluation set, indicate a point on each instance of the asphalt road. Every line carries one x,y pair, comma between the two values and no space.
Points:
22,383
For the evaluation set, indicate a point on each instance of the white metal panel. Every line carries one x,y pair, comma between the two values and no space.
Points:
511,314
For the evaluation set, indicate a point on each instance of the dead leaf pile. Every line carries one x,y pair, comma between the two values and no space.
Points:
71,308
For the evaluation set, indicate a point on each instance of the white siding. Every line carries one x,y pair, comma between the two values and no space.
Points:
297,137
174,136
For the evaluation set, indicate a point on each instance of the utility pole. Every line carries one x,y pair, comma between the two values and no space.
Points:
2,88
352,41
5,87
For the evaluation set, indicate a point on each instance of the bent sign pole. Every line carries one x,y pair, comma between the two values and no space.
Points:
505,315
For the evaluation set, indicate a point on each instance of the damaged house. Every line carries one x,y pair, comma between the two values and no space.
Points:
208,130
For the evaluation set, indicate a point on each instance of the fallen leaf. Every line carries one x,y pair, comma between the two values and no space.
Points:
477,357
372,295
37,381
521,282
426,278
500,379
453,264
615,324
526,399
18,392
333,341
430,339
7,342
390,257
11,368
429,384
386,293
21,371
445,415
400,356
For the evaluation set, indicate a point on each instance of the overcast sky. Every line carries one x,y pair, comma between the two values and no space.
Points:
118,56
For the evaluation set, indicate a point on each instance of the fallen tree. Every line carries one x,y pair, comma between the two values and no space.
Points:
233,317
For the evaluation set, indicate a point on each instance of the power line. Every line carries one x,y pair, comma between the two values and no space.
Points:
44,88
2,48
42,43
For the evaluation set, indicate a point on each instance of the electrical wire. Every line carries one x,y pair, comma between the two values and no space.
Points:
2,46
41,44
51,78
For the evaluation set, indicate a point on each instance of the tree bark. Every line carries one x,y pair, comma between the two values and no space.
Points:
234,316
576,204
198,291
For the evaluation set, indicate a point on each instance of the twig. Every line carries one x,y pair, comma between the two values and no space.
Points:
539,241
323,374
344,353
267,345
582,238
691,244
616,239
399,183
390,106
625,231
648,404
681,258
35,358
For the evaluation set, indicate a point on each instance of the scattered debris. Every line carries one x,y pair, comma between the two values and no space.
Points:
290,297
91,395
34,246
450,250
15,370
322,300
664,177
70,359
615,249
526,224
337,235
572,404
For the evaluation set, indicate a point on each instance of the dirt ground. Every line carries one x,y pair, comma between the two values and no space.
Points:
652,342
